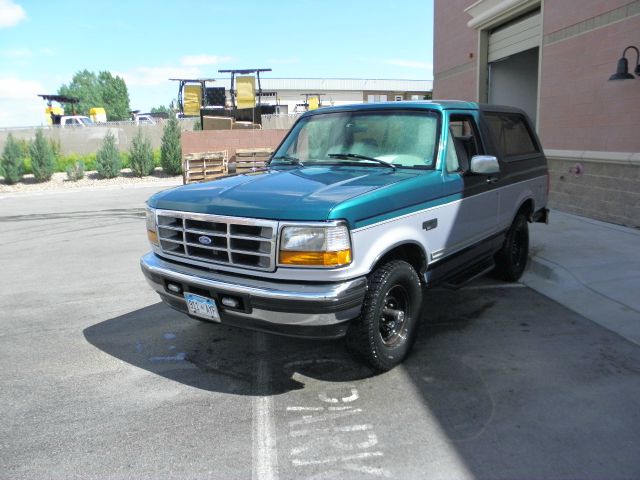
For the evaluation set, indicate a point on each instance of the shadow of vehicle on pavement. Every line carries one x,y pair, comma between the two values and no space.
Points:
220,358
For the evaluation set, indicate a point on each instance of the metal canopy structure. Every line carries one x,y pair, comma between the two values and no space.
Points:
62,99
246,71
59,99
191,81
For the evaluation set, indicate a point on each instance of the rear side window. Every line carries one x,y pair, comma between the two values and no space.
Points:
511,134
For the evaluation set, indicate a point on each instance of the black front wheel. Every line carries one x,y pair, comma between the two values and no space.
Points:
385,331
512,258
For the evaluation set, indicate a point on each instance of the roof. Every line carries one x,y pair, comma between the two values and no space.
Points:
439,105
412,105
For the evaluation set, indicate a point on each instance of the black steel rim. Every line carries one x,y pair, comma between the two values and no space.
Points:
394,315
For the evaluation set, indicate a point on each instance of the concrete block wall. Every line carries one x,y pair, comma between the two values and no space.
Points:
88,140
605,191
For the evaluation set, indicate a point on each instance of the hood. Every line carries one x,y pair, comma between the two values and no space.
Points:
301,193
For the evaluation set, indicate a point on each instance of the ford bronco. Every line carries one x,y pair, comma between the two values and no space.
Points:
358,210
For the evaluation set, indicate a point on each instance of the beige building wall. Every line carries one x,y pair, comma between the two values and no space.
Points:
589,126
455,52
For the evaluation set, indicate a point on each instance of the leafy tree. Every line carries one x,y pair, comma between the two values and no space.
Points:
12,164
115,96
43,160
141,155
108,160
171,150
161,109
101,90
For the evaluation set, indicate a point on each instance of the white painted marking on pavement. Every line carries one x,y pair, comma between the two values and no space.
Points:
263,435
305,409
347,458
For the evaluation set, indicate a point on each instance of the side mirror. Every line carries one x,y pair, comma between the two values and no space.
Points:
484,165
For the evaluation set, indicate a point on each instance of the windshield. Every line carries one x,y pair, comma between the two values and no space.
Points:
85,120
389,137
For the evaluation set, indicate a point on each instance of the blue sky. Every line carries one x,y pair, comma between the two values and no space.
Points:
43,43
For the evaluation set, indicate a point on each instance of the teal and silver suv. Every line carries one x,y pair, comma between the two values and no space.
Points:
359,210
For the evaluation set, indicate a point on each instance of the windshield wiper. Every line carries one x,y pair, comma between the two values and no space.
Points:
288,160
361,157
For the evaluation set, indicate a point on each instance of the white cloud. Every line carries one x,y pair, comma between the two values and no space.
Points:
14,88
19,103
398,62
147,76
11,13
200,60
18,53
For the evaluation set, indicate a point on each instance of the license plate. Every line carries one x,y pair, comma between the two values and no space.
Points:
202,307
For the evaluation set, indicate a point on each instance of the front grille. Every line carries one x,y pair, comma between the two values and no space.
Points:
240,242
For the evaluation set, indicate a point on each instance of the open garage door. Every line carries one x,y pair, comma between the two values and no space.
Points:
513,64
515,37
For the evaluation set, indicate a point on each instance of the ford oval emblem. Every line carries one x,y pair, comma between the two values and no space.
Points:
204,240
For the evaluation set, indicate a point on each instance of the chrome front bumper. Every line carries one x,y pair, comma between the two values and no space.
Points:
307,310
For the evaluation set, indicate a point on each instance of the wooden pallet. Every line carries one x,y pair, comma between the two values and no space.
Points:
204,166
251,159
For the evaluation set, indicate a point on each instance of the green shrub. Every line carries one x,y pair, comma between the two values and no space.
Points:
12,165
156,158
141,155
42,157
171,150
108,161
75,172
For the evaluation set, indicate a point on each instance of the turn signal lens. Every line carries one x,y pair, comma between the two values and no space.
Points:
323,259
150,218
153,237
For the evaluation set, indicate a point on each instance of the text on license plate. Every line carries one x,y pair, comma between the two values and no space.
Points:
202,307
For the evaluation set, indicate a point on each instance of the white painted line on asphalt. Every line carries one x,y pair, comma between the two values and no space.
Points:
306,420
305,409
263,434
318,431
346,458
373,471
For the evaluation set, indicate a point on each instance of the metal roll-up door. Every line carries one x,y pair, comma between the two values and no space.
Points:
516,37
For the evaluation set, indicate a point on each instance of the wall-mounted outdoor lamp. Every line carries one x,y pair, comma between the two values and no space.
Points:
622,72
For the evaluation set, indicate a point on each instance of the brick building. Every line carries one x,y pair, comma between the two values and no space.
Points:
553,58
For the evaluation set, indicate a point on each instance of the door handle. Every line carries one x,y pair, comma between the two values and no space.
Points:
492,179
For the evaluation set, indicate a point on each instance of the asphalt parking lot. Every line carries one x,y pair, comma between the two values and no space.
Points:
100,380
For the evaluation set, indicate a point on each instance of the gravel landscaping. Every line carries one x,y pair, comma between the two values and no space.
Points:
91,179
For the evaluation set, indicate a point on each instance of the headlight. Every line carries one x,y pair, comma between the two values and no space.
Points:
152,233
315,246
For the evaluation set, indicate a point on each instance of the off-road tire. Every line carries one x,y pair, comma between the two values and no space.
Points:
512,258
381,337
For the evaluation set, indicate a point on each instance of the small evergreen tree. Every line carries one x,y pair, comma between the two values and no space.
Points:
141,155
12,164
171,150
108,160
75,171
43,161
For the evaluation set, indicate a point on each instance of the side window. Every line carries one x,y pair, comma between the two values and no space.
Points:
452,158
511,134
464,141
